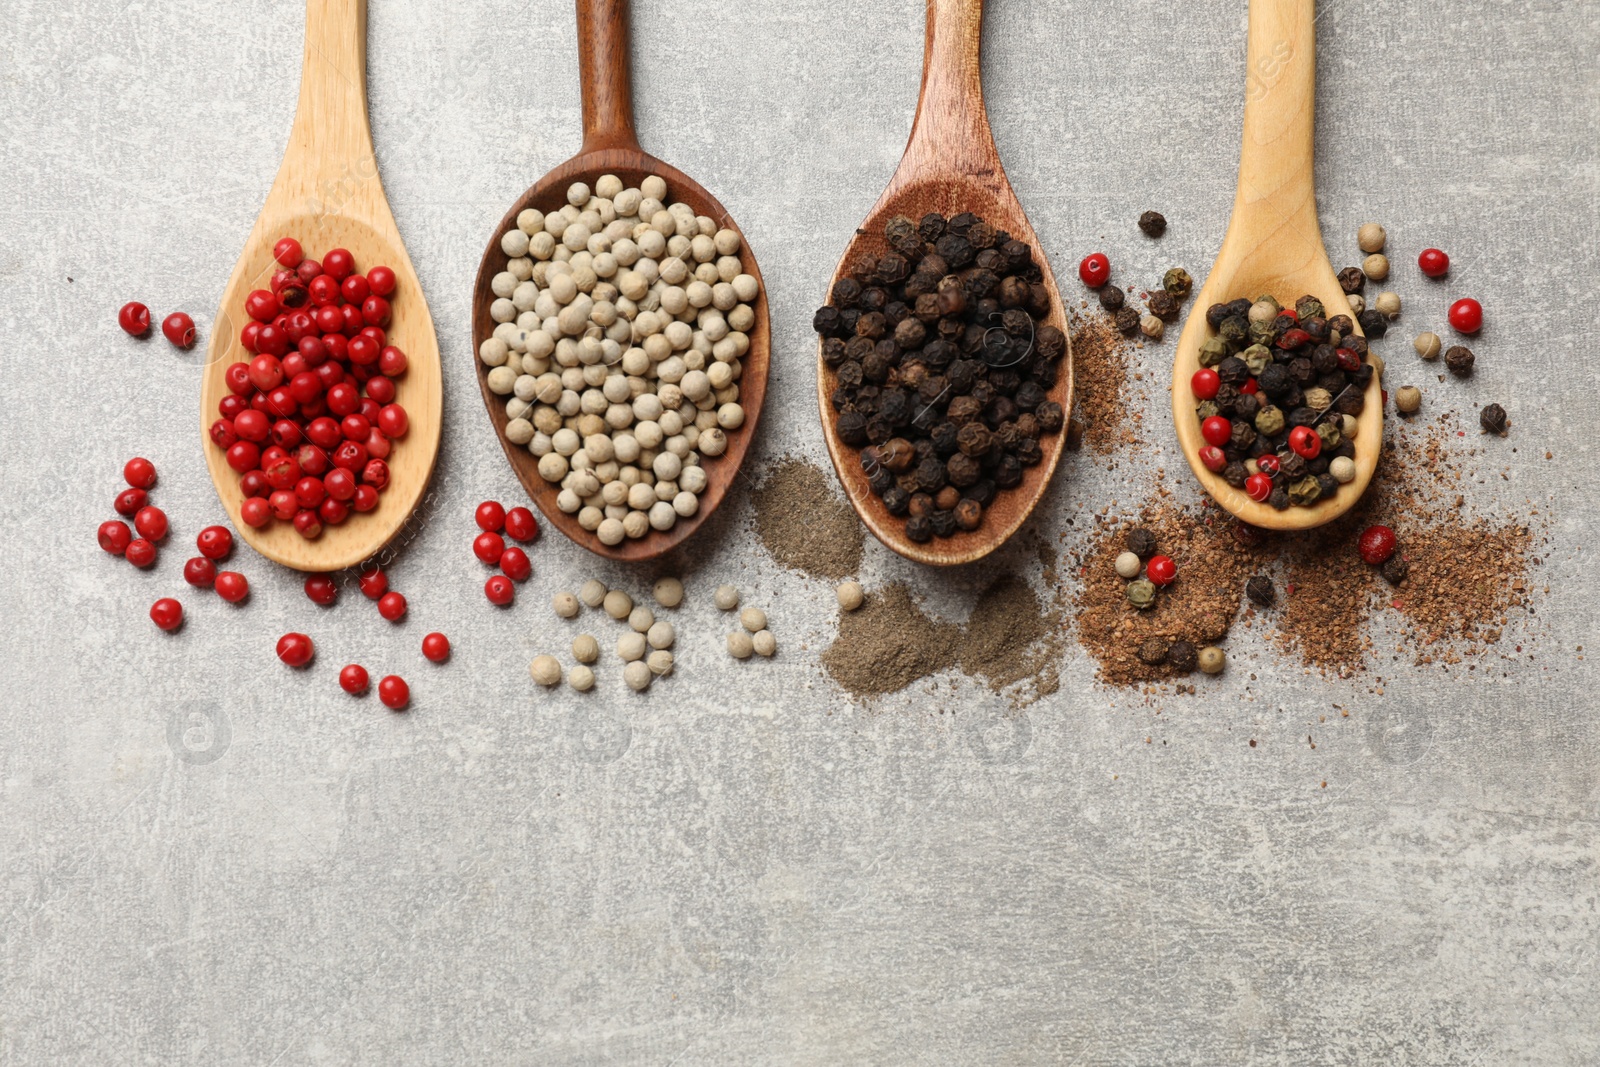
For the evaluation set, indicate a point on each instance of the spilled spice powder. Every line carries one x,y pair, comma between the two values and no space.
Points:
1100,365
805,524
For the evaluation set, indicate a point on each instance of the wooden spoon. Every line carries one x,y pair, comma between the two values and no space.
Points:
1274,246
950,165
610,146
328,195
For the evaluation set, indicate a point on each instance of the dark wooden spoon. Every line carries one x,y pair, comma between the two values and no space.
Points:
610,146
950,165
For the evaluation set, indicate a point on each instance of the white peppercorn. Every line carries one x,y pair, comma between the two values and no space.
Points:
566,605
585,649
1128,565
641,618
726,597
753,619
1428,345
1376,266
851,595
546,670
1343,469
1358,303
668,592
1152,327
581,678
740,646
1408,400
763,643
638,676
661,635
1212,659
1388,305
631,646
659,662
617,604
592,592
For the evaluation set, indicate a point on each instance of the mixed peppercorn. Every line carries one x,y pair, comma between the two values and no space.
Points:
940,368
1278,394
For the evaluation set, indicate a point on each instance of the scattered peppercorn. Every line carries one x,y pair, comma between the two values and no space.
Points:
942,368
1408,400
1128,320
1177,283
1395,569
1153,223
1111,297
1427,345
1387,305
1153,651
1493,419
1352,280
1459,359
1142,593
1261,591
1371,237
1212,659
1182,656
1140,541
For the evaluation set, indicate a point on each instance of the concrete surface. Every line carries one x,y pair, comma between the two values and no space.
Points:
208,859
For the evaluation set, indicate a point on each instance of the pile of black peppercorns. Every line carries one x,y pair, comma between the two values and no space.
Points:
942,368
1282,369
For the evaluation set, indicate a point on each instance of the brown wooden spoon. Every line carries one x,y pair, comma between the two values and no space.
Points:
610,146
328,195
1274,246
950,165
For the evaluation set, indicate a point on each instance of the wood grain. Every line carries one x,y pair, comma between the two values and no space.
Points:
1274,245
950,165
610,146
327,195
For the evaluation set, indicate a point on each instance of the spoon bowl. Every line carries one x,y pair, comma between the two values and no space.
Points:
1274,246
610,146
327,195
950,165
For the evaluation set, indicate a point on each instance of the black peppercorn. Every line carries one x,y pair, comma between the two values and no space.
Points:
1127,320
1352,280
1183,656
1395,569
1260,591
1493,419
1111,297
944,523
1008,472
1233,371
1163,305
1216,313
1049,416
896,500
1373,322
852,428
1279,498
931,228
969,514
1153,223
956,250
827,321
1153,651
1459,359
919,528
1140,541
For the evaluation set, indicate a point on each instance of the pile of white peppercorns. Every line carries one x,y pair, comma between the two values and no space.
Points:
755,638
645,650
622,323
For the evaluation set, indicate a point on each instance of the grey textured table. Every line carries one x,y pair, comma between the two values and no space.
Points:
745,866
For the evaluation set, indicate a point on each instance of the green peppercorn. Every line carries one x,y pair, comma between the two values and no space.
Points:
1205,409
1309,307
1269,421
1213,350
1177,282
1142,593
1257,358
1329,432
1318,399
1263,333
1305,492
1233,332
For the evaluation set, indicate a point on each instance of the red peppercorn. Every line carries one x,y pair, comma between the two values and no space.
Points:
381,389
1305,442
489,547
393,421
520,525
436,647
350,455
353,679
1258,487
514,562
310,492
1466,315
1161,570
214,542
129,501
139,473
392,361
363,351
374,583
134,318
222,434
1217,431
1095,270
366,498
284,505
262,306
1376,544
1268,463
394,692
1434,263
295,649
288,252
115,537
232,586
377,445
343,400
179,329
255,512
382,280
340,484
321,590
200,572
375,311
308,524
308,269
324,293
339,264
1348,360
151,522
140,552
1205,383
1250,388
376,474
1213,458
333,512
490,517
167,613
499,590
231,407
392,606
1294,338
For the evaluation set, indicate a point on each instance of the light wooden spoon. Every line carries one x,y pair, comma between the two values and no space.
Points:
610,146
328,195
950,165
1274,245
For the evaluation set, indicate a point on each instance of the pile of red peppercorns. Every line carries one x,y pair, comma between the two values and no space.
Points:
495,524
1278,394
309,447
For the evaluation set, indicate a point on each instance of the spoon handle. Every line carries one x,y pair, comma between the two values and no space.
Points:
328,166
951,129
1276,179
604,72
